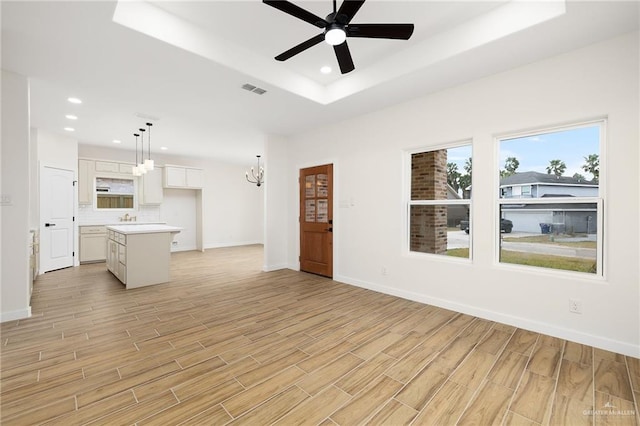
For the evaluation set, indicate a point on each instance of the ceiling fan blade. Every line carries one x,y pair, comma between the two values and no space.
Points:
394,31
348,8
344,58
300,48
298,12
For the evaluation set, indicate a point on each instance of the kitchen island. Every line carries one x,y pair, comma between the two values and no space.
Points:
140,255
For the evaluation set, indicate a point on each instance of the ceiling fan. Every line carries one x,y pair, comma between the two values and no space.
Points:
337,27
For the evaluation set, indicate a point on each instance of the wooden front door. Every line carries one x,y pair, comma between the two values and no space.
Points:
316,220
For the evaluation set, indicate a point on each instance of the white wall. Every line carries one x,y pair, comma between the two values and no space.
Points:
276,204
179,209
233,208
14,273
57,151
601,80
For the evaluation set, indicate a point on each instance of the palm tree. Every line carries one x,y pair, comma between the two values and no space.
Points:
592,165
557,167
511,164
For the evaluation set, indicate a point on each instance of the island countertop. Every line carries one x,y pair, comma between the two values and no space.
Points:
114,223
143,228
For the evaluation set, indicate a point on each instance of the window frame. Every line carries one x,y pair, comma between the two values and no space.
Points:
408,202
599,200
96,193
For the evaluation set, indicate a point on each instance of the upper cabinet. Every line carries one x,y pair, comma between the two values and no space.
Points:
86,175
183,177
111,167
150,188
89,169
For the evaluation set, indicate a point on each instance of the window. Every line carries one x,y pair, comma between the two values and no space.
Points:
114,193
550,205
440,201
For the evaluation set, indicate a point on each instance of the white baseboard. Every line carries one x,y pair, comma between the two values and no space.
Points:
183,248
276,267
231,244
15,315
524,323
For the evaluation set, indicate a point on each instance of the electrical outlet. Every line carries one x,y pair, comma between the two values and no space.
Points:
383,270
575,306
174,243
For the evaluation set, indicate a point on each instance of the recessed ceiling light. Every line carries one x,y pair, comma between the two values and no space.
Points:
116,141
71,117
164,148
325,70
74,100
70,129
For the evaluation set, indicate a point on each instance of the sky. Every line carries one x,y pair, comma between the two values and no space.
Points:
534,152
570,146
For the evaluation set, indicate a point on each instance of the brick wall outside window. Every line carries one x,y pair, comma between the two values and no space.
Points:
428,229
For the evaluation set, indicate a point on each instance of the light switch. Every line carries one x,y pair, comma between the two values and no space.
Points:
5,200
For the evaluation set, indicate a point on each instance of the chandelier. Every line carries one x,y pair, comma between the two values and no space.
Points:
257,175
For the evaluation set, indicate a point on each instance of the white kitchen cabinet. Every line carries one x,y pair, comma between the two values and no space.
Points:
113,167
125,169
150,188
113,265
86,175
195,178
183,177
107,166
93,244
140,255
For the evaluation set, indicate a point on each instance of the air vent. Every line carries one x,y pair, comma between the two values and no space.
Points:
254,89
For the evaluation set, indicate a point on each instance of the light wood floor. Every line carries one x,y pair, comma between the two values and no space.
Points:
225,343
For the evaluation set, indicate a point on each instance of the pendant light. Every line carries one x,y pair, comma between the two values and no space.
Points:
258,176
141,168
148,163
136,171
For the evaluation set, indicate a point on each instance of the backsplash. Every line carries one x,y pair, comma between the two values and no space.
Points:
88,216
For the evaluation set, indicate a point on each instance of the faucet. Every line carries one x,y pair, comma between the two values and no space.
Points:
125,218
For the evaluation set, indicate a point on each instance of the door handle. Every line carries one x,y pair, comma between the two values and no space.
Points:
49,224
329,229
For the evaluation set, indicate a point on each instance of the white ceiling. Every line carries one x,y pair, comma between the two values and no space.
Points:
184,63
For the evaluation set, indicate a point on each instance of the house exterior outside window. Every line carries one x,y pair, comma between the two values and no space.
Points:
529,217
556,214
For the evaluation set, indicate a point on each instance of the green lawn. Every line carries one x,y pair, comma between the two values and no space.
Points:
459,252
550,239
540,260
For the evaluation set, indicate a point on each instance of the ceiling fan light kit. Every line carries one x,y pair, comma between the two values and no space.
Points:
335,35
337,28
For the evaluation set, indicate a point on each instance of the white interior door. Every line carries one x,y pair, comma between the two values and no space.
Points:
56,218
